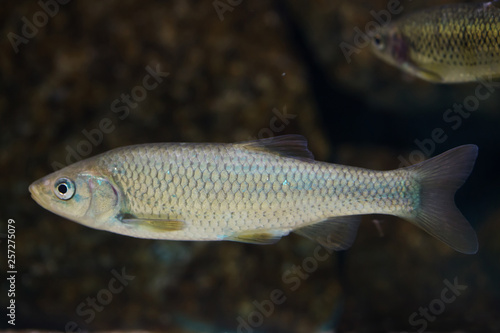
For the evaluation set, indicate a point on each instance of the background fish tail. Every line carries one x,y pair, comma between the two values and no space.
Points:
437,214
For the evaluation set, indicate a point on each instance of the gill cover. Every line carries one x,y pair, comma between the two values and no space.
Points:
104,199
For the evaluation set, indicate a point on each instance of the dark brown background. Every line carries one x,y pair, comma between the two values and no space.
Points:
226,78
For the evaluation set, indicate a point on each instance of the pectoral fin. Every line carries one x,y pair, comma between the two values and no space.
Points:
159,225
336,233
257,237
425,74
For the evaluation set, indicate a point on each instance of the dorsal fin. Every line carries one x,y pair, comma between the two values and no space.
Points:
291,145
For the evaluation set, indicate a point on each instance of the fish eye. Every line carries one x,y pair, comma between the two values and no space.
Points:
64,188
378,42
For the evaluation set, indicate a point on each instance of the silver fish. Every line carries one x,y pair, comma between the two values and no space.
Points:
254,192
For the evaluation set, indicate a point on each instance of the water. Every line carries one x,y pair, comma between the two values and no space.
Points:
64,97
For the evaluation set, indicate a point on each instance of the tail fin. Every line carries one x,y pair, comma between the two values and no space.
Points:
437,214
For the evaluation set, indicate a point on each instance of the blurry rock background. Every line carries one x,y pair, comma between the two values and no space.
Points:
235,69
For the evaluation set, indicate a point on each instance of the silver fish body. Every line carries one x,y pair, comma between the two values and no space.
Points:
253,192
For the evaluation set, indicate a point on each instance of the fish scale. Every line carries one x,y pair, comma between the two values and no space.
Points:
450,43
254,192
312,193
463,37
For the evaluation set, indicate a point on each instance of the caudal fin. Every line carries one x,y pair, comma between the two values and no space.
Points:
439,178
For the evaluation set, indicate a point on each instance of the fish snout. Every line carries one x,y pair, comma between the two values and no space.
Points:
38,190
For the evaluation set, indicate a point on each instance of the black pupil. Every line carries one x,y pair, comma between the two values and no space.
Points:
62,188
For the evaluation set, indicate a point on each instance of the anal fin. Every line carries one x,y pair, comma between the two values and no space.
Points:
336,233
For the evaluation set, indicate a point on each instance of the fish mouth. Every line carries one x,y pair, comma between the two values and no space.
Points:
32,189
36,194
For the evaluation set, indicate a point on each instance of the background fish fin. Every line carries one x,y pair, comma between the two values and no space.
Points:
437,214
490,5
257,237
159,225
428,75
336,233
290,145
